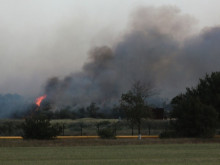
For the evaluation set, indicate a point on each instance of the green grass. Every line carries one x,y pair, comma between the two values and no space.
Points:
163,154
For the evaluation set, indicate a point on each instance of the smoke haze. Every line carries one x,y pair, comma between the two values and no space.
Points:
160,46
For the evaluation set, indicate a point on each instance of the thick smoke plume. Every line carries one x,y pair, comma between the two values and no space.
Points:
160,47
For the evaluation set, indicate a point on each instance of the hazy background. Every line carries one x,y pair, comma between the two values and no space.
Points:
46,38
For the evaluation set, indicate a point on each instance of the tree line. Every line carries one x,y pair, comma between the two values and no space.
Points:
195,113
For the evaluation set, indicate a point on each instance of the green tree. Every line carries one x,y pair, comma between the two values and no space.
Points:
197,111
208,91
135,105
194,118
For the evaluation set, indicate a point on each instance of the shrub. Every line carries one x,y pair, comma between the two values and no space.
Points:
40,128
10,128
168,134
106,133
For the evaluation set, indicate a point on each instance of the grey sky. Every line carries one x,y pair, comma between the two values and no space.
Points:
45,38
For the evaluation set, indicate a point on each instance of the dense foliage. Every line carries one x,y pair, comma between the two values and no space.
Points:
197,111
106,133
39,127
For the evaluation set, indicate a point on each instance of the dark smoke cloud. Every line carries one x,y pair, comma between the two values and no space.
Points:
159,48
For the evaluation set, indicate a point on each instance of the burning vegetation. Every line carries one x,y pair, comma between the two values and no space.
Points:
39,100
159,47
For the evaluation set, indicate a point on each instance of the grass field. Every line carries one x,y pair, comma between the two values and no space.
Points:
117,152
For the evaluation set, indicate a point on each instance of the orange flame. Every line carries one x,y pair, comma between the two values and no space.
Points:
40,99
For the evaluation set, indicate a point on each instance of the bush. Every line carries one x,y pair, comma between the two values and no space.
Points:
10,128
40,128
106,133
168,134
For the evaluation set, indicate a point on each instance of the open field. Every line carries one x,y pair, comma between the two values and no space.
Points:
119,154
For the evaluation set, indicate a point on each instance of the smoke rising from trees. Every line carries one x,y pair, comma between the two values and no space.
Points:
160,47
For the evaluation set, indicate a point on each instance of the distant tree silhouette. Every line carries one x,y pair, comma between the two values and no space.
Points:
134,104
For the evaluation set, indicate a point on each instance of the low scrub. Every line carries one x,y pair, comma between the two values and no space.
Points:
106,133
168,134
